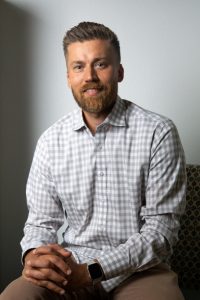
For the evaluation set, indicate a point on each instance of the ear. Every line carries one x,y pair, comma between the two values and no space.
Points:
120,73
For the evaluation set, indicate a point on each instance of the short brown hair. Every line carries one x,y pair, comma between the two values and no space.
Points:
86,31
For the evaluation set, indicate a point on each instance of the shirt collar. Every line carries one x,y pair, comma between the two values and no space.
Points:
78,120
117,116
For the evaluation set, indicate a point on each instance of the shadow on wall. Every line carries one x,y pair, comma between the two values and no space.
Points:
14,136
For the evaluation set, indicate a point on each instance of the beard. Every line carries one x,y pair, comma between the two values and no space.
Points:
102,102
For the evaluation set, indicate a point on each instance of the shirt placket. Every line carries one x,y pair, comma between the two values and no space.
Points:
101,179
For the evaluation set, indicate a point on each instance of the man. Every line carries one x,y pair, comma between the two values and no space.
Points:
116,172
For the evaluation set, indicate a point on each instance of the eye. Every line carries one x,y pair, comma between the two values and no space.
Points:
100,65
77,67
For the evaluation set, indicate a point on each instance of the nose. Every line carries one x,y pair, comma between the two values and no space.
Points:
90,74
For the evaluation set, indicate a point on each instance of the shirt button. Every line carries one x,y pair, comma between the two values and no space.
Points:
101,174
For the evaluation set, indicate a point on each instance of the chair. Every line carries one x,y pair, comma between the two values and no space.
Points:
185,260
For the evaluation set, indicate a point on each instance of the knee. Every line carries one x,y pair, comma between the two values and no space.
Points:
22,289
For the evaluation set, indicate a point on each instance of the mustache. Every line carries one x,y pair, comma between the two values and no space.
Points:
91,85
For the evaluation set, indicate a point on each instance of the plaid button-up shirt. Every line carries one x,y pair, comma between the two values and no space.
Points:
121,190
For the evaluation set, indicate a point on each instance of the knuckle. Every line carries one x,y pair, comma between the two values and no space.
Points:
55,259
48,264
47,272
45,283
53,287
50,250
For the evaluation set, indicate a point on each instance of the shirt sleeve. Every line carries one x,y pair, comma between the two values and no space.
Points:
45,209
159,215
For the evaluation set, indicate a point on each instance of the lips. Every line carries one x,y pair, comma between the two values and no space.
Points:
91,89
91,92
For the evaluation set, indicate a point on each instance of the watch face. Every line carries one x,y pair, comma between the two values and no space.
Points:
95,271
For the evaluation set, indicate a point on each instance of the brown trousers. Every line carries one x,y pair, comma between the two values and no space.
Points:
157,283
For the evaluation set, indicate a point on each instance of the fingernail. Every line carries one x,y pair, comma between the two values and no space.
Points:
69,272
62,292
65,282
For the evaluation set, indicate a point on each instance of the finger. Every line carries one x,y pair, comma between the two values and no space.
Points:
47,284
46,274
50,262
52,249
60,250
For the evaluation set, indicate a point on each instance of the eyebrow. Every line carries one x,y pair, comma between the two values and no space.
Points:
95,60
76,62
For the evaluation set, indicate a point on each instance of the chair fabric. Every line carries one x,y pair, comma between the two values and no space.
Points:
186,256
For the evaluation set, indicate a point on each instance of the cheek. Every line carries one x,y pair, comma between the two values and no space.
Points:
114,75
74,82
108,78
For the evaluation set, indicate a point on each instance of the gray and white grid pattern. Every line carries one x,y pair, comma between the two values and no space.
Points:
121,190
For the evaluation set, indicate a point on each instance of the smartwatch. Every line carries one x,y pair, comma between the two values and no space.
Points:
95,271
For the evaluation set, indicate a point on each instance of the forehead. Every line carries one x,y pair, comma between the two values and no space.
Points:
89,50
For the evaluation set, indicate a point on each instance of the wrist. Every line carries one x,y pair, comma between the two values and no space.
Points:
87,281
27,255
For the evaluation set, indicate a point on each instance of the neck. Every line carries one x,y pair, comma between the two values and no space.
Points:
93,120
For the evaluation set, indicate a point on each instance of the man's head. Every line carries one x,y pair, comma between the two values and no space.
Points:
93,67
87,31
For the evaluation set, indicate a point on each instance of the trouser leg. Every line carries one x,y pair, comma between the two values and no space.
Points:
21,289
157,283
